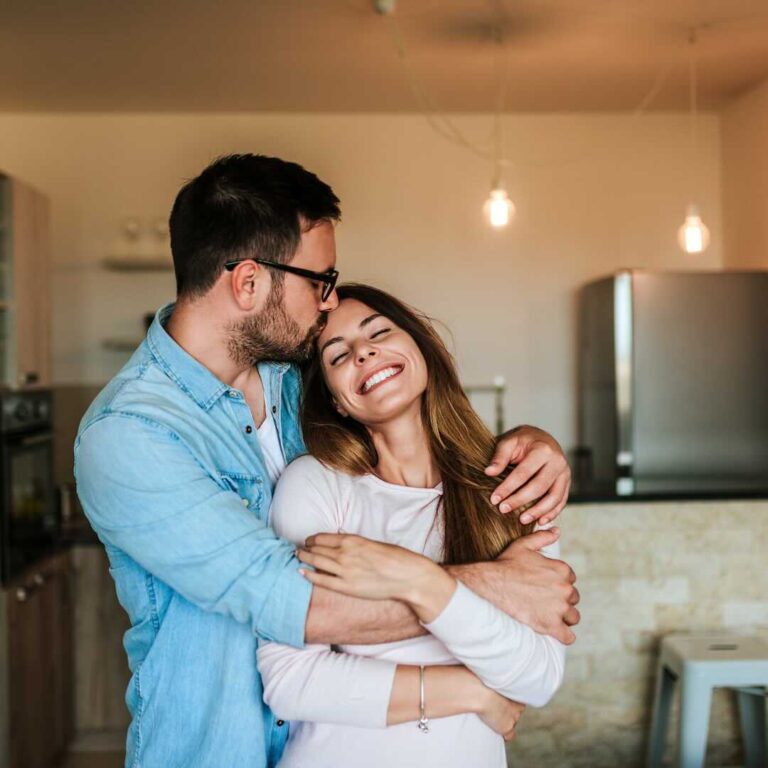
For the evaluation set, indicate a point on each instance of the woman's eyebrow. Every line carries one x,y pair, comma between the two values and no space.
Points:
370,319
337,339
334,340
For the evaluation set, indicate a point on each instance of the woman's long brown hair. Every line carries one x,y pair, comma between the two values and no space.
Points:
473,529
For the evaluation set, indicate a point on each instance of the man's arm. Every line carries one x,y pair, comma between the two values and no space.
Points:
526,585
146,495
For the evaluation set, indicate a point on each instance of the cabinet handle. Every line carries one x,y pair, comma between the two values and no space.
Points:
21,595
29,378
38,579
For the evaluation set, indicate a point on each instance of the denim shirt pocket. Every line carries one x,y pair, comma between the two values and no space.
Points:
248,487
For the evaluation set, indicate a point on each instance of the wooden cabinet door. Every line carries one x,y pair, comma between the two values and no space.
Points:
29,674
40,665
42,297
60,615
31,287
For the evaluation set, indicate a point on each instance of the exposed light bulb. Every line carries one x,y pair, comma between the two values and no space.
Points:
693,236
498,208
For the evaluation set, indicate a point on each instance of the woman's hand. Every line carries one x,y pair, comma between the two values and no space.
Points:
360,567
500,714
538,486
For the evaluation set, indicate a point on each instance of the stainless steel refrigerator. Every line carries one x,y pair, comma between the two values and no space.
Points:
673,381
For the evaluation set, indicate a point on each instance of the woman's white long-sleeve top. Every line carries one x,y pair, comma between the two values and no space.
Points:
336,699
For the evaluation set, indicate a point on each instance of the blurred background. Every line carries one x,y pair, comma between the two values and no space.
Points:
577,190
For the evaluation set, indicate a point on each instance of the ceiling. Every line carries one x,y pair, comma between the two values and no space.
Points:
340,56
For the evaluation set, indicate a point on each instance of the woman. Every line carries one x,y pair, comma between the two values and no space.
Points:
397,456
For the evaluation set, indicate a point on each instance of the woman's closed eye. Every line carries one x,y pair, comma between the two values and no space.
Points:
341,355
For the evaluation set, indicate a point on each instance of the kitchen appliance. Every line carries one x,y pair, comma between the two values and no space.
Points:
28,519
673,382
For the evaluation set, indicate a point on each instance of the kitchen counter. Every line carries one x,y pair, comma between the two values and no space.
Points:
677,489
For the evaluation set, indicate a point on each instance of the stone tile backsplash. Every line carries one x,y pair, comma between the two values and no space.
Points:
644,570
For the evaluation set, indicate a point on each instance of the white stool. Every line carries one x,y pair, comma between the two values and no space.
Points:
701,663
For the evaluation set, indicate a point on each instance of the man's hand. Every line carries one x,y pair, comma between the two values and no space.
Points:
542,474
532,588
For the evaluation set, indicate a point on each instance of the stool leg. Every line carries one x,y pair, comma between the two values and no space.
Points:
752,716
662,702
694,720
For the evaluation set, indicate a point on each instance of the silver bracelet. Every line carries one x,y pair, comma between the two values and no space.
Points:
423,720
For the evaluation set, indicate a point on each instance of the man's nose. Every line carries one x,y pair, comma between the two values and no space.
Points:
330,303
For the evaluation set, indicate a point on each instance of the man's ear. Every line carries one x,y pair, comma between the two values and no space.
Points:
339,409
250,285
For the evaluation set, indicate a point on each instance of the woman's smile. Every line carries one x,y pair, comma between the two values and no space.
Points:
381,375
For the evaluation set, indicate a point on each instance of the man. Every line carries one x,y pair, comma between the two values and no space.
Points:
176,460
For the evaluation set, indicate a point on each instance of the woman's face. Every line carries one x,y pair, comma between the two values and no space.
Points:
374,369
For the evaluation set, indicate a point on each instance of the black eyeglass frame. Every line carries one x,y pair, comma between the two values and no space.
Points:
328,278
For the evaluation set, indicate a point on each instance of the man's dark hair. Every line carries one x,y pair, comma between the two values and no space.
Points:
243,206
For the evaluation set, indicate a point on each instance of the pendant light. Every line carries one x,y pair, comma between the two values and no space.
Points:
693,235
499,210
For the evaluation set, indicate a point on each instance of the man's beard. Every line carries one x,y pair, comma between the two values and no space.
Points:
273,335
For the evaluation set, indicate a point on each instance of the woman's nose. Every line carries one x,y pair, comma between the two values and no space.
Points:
364,353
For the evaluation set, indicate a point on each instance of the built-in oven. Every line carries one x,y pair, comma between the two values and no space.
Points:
28,519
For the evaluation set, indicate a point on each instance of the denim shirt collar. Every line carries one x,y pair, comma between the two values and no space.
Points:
193,377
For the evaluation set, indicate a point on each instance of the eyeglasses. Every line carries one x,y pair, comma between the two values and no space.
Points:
328,278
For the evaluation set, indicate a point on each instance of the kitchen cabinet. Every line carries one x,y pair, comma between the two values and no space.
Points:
25,357
37,655
101,667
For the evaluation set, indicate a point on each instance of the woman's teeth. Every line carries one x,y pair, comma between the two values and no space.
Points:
387,373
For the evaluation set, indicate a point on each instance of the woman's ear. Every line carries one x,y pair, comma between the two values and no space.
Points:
339,409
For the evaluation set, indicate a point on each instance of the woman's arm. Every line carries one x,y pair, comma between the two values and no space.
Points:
318,685
507,655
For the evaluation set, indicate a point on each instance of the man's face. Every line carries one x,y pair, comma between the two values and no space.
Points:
294,314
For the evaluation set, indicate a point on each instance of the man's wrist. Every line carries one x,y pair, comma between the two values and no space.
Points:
491,580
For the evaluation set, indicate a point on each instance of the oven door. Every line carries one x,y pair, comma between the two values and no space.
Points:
29,512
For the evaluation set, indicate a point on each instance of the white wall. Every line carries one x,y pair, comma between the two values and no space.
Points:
745,180
593,194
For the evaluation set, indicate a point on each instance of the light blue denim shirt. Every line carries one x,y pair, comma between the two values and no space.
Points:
172,479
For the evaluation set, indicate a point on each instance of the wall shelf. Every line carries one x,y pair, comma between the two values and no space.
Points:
120,345
150,263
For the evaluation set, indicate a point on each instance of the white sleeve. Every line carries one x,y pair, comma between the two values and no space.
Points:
504,653
317,684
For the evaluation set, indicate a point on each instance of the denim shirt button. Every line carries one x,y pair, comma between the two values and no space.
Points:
248,429
280,722
274,409
245,502
233,393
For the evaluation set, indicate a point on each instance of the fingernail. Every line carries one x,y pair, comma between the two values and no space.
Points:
302,572
495,499
504,508
525,519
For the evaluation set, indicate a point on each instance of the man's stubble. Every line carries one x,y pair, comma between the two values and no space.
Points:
272,334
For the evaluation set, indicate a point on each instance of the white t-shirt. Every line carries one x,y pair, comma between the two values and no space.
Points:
269,442
337,699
